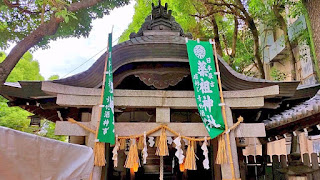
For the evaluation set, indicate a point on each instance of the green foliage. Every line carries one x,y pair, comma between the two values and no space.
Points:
26,69
65,14
263,12
49,128
53,77
277,75
244,51
16,117
16,24
202,28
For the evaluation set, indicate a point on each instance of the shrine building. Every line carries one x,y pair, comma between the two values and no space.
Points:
152,86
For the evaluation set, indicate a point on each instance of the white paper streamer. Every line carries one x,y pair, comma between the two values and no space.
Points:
169,139
115,152
186,142
205,153
151,141
179,152
145,150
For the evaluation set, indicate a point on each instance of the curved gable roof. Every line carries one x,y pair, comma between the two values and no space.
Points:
166,47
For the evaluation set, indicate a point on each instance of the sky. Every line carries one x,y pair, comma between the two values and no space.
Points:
64,56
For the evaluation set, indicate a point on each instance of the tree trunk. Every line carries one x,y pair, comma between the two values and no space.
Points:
23,46
284,27
215,28
256,47
313,8
216,34
225,42
45,29
234,38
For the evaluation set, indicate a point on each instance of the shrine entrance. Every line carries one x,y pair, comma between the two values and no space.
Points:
151,170
152,87
170,164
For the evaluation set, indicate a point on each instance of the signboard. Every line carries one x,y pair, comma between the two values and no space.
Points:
205,85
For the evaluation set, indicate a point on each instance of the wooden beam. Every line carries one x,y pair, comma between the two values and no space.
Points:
153,102
54,88
186,129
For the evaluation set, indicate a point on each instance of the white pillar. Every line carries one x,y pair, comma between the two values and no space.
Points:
85,117
225,168
163,115
94,121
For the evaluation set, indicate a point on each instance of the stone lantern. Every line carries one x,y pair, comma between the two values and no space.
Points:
296,170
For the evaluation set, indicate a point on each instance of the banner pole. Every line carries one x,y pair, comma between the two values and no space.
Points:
223,111
101,101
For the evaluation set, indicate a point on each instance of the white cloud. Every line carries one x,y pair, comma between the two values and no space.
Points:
64,55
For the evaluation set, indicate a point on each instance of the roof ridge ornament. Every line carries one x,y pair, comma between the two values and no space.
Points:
160,11
160,20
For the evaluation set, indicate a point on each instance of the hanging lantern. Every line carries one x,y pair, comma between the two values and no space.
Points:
181,167
35,120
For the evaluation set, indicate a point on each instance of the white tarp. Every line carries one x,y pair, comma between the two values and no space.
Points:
26,156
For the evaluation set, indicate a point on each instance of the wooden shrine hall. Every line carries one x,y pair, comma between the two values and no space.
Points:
153,86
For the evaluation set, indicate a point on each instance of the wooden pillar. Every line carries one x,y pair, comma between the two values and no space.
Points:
242,165
264,156
225,168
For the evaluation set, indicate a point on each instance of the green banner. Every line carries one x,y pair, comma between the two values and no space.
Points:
106,128
205,85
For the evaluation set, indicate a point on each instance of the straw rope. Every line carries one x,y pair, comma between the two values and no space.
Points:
162,126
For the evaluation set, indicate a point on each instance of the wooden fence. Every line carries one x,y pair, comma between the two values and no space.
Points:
266,168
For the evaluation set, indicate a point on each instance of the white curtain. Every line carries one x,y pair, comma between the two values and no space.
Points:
26,156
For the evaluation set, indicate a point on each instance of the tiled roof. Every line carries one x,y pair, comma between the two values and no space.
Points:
301,111
154,48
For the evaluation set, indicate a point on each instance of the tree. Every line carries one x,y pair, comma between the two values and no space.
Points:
32,24
27,69
217,26
237,9
278,8
15,117
53,77
312,7
271,14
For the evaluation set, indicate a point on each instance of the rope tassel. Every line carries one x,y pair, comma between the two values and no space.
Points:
140,143
190,161
99,156
132,157
222,153
162,148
